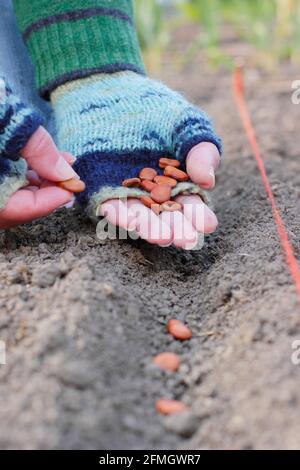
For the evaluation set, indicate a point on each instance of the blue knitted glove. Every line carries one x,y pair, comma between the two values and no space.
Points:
17,124
117,124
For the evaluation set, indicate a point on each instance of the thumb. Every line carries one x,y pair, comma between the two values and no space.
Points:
43,156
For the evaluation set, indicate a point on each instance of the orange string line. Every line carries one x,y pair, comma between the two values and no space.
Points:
239,93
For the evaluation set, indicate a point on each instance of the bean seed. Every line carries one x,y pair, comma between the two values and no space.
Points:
165,180
167,361
178,330
179,175
147,185
131,182
161,193
148,202
148,174
166,406
73,185
171,206
163,162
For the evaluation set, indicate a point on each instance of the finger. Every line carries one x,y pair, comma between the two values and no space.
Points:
33,178
201,163
26,205
198,213
149,226
184,234
117,213
43,156
68,157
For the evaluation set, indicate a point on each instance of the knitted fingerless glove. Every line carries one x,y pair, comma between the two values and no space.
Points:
117,124
17,124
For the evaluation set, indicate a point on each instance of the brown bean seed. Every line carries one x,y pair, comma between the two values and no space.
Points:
179,175
131,182
165,180
148,202
166,406
171,206
163,162
167,361
147,174
178,330
147,185
73,185
161,193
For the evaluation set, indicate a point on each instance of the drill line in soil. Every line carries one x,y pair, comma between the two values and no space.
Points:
290,258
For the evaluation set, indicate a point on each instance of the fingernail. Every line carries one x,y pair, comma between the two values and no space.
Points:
71,159
63,170
212,176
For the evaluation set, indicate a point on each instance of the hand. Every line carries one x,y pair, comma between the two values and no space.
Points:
179,228
41,197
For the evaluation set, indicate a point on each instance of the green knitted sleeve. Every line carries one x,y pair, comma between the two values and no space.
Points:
69,39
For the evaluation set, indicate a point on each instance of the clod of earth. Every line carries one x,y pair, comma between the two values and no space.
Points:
167,361
178,330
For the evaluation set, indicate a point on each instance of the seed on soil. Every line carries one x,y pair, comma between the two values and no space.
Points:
178,330
148,174
179,175
159,179
73,185
161,193
167,406
163,162
131,182
148,202
167,361
147,185
171,206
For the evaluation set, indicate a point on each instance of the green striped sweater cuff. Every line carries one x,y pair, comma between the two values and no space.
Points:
70,39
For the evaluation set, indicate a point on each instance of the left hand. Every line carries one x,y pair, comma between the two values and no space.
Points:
179,228
41,197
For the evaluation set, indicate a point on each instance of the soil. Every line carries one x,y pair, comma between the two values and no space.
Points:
82,319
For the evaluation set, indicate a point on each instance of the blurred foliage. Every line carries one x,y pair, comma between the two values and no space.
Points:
272,27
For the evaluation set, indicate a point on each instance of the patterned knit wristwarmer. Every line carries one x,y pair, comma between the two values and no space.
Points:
17,124
117,124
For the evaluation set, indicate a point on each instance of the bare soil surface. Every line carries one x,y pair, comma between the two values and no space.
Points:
83,319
